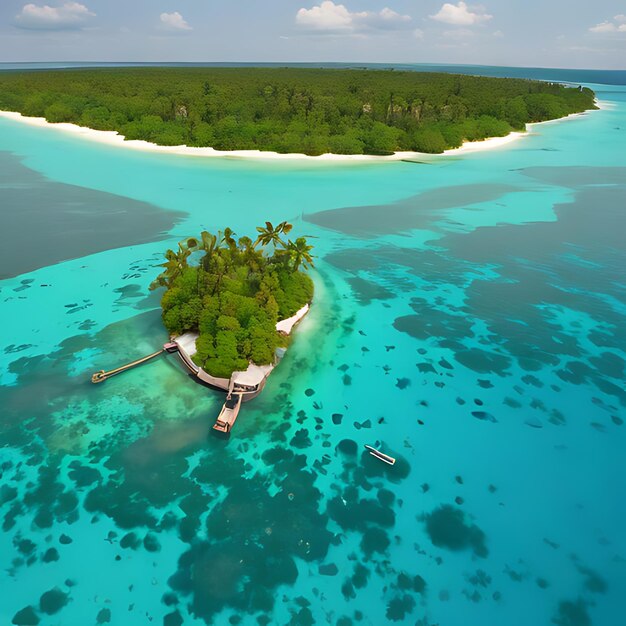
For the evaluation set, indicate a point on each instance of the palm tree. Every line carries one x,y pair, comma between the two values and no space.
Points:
175,263
180,257
271,235
300,253
229,239
219,271
267,235
246,247
284,227
249,255
207,243
245,244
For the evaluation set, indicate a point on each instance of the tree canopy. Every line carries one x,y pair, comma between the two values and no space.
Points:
233,292
291,109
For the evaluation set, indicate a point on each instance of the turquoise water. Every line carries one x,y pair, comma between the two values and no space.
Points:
470,316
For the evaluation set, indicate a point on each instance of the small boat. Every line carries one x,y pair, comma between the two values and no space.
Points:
381,456
228,414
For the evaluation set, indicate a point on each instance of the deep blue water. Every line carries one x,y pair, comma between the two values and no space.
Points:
470,316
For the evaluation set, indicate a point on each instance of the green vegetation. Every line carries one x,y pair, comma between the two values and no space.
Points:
291,109
233,292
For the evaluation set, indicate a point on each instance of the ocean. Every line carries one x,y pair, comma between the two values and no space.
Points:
469,319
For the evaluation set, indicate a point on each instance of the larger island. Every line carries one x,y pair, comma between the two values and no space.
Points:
291,110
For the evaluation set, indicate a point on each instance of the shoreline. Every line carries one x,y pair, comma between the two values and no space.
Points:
113,138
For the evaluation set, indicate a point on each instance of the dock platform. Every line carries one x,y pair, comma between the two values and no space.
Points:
228,414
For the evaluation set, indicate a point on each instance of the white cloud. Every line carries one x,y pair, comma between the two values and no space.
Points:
331,17
326,16
418,33
389,15
387,19
174,21
618,26
498,33
70,15
603,27
461,15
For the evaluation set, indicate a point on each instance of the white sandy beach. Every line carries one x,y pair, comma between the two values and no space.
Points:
113,138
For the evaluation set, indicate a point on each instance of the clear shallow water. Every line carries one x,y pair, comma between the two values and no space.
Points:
470,315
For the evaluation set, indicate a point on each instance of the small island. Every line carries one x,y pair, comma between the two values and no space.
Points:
230,305
291,110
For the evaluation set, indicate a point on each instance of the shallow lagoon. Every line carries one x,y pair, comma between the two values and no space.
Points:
470,315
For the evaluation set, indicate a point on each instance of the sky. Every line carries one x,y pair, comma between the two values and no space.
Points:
535,33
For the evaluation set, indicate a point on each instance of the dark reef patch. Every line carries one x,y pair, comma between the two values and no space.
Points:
53,601
352,513
255,538
399,607
430,322
407,582
483,362
50,555
130,540
449,528
374,540
361,576
83,475
276,455
173,619
26,617
301,439
365,291
572,614
484,416
337,418
329,569
347,446
151,543
593,581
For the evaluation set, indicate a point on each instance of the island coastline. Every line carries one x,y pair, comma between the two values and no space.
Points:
115,139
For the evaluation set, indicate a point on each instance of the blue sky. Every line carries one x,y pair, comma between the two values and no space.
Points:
542,33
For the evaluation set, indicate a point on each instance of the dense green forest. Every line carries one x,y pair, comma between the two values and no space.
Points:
232,291
291,109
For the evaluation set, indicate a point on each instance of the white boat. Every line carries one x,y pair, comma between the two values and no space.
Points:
381,456
228,414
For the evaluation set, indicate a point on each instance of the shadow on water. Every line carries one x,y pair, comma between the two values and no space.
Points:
67,222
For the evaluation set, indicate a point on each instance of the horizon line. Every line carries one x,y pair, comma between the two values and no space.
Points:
384,63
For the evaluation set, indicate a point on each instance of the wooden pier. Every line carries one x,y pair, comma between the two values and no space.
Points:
101,376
